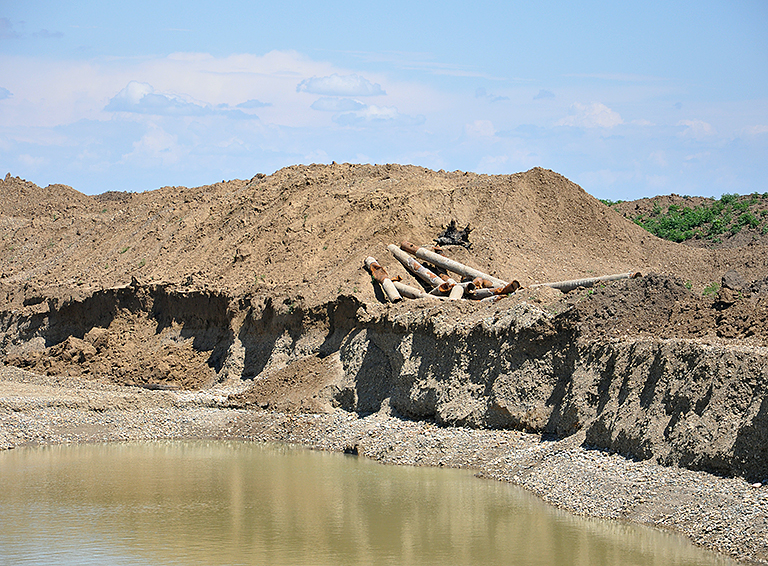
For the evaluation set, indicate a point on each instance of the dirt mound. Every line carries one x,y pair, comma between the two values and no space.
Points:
304,232
129,336
739,220
181,263
24,200
299,387
659,306
263,280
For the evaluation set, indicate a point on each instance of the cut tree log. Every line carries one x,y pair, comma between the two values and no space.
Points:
413,292
447,287
486,293
457,291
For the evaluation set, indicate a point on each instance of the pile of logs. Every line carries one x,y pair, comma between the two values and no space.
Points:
471,284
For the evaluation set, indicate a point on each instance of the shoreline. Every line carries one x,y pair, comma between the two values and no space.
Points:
725,515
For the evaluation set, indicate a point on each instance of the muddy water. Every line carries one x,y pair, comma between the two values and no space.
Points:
242,503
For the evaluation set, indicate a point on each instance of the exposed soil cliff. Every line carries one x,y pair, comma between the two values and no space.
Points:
262,280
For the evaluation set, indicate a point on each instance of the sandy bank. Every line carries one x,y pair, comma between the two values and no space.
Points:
722,514
243,310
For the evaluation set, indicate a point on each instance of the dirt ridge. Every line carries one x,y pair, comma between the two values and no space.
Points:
306,229
681,401
263,280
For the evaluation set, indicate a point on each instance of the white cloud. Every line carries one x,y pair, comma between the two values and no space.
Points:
493,164
373,112
619,77
424,62
337,85
141,98
131,95
372,115
156,147
514,157
253,103
85,87
658,182
168,120
756,130
316,156
480,129
482,93
30,161
695,128
42,137
606,178
698,157
659,158
47,34
329,104
544,94
432,159
595,115
7,31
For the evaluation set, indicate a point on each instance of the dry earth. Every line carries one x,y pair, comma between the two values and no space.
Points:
295,241
306,229
258,286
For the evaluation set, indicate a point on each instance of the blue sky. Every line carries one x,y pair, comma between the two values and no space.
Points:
626,99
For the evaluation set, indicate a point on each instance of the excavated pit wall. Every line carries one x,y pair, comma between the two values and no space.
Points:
678,402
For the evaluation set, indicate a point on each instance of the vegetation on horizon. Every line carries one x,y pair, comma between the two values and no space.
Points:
725,216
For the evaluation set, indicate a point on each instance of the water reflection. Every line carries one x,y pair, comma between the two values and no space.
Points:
242,503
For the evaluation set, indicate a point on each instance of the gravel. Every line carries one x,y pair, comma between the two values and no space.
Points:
725,515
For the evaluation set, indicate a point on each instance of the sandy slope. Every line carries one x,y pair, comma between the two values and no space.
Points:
261,282
305,231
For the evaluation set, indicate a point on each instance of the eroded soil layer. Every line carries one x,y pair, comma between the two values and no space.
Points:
677,395
249,295
726,515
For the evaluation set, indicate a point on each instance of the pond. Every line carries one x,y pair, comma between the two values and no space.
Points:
215,502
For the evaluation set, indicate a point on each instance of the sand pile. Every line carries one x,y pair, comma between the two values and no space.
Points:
305,231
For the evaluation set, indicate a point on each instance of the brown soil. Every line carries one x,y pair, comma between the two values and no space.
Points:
305,231
664,307
181,288
298,238
293,389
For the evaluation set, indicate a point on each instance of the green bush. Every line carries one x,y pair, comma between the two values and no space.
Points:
749,219
729,214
